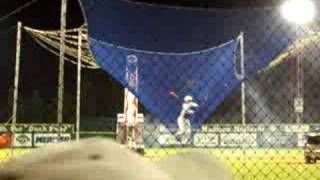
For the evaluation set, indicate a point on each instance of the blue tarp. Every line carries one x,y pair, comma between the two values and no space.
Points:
164,79
183,51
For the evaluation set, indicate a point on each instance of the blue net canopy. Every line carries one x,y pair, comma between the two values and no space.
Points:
164,79
183,67
163,29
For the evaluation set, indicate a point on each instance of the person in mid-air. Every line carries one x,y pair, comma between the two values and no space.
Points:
183,120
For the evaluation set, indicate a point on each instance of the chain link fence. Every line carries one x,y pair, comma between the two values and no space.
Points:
240,83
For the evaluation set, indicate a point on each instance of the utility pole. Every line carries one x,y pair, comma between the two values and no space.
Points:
16,85
243,85
61,64
79,83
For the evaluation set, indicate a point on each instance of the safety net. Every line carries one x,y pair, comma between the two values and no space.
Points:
183,52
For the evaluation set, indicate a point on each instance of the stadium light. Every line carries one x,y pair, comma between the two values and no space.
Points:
298,11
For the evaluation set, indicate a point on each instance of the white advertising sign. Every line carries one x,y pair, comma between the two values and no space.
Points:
298,105
206,140
44,139
22,140
301,139
238,140
167,139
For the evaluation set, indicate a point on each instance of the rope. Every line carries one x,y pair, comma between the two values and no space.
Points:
5,17
66,58
50,40
90,66
75,30
72,51
8,30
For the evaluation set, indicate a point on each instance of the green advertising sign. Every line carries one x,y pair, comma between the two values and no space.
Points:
38,128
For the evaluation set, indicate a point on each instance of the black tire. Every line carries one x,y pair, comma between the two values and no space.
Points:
140,151
308,160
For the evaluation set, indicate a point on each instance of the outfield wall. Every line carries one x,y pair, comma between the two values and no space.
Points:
34,135
158,135
235,135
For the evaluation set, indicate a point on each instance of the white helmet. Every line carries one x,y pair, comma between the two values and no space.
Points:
188,98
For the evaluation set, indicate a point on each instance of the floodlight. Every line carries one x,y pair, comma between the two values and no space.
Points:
298,11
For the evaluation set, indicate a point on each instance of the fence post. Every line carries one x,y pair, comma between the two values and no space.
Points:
16,85
243,85
78,84
61,64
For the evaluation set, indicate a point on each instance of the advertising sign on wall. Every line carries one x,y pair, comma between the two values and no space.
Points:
22,140
41,139
238,135
206,140
238,140
167,139
301,139
34,128
5,140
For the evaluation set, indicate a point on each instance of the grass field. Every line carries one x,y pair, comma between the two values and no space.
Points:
256,164
246,164
5,154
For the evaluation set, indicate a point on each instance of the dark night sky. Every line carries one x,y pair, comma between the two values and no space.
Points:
39,68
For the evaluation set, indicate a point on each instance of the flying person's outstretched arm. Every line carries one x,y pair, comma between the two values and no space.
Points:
193,104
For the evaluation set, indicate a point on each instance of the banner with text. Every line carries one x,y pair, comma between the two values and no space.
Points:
50,138
237,135
22,140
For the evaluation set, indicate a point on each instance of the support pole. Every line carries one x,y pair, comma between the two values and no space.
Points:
299,99
61,64
79,83
243,85
16,84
